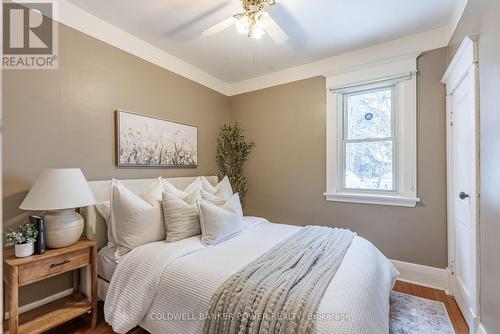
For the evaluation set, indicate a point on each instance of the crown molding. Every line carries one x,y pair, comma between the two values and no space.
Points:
456,16
429,40
417,43
81,20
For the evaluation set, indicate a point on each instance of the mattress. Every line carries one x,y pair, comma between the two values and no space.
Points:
165,287
106,263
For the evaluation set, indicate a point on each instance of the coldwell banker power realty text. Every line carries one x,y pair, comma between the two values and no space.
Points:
30,39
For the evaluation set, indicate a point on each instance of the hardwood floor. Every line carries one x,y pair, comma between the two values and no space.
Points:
81,325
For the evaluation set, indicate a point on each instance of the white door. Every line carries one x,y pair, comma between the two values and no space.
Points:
463,192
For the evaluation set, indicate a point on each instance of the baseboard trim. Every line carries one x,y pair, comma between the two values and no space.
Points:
41,302
431,277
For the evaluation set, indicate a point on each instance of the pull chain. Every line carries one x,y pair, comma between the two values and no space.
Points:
253,52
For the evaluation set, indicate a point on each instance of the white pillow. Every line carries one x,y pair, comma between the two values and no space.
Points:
135,220
219,223
212,198
181,216
222,190
173,190
104,209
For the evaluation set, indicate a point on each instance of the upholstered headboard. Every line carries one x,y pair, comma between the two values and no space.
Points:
95,226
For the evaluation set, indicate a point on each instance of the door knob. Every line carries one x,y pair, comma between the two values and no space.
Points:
463,195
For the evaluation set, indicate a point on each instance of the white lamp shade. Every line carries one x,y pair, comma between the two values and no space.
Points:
57,189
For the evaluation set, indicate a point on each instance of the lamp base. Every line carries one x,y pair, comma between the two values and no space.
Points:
62,228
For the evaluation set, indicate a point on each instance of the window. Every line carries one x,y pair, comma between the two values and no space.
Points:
369,140
371,136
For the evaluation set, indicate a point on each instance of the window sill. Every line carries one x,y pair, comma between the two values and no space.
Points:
372,199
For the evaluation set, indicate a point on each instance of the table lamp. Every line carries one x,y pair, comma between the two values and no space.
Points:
60,191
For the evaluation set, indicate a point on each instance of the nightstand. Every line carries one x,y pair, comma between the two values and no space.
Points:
22,271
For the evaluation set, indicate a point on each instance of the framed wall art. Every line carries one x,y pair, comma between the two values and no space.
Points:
146,141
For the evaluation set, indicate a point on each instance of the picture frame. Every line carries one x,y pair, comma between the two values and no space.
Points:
144,141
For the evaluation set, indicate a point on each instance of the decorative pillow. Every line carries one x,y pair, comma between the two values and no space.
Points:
181,216
173,190
222,190
104,209
219,223
212,198
135,220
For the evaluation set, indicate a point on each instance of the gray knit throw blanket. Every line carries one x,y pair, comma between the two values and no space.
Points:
281,290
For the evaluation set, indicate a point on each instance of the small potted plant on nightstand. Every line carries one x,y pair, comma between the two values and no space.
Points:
22,238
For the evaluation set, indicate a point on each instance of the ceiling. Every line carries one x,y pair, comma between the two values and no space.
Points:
317,28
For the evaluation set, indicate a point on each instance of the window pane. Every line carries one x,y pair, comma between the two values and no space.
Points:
369,166
369,114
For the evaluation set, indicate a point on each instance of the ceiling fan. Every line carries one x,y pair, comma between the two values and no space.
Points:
254,22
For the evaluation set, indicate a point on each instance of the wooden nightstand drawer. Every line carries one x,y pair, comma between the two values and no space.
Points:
26,270
32,272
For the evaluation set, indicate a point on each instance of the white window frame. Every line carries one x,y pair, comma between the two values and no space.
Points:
401,75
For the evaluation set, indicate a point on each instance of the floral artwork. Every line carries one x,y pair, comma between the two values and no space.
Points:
145,141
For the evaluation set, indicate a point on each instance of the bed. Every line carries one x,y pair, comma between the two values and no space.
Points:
167,287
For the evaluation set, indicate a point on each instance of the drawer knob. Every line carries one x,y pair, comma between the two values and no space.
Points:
53,265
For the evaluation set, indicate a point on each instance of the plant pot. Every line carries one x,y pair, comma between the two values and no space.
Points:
24,250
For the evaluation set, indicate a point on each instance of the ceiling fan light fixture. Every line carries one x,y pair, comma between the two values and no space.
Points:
253,22
258,30
243,24
250,24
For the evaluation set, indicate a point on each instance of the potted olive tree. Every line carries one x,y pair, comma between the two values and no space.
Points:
232,152
22,238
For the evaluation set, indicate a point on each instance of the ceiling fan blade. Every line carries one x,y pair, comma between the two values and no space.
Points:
219,27
299,39
272,28
190,28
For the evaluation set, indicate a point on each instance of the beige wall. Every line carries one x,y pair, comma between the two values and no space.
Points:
65,118
286,170
483,17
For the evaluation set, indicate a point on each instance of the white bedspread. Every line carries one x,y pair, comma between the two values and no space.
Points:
166,287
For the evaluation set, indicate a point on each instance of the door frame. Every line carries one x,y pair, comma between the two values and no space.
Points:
465,60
